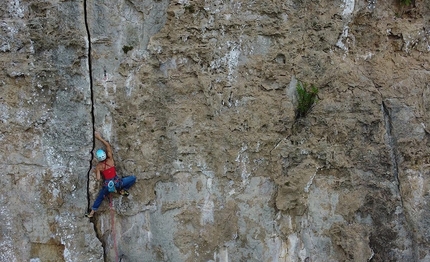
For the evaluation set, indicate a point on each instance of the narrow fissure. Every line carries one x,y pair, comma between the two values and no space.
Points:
391,142
90,73
92,101
392,146
394,159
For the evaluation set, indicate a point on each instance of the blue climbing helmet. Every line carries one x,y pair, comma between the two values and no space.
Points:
100,155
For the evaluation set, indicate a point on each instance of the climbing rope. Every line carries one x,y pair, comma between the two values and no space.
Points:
112,215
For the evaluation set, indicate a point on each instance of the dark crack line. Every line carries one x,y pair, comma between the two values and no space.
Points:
92,100
392,145
90,73
394,159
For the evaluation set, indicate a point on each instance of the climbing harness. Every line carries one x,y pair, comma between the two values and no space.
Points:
113,184
112,213
112,181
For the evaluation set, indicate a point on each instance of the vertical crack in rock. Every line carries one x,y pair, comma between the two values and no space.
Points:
392,146
391,141
92,97
90,74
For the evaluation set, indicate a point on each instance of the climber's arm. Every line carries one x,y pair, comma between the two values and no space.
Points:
108,146
97,171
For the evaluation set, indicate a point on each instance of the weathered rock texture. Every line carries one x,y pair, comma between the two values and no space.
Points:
198,99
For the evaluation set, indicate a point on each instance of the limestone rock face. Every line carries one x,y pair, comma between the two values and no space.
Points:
46,133
198,99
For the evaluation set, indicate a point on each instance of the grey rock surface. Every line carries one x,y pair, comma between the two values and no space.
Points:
198,99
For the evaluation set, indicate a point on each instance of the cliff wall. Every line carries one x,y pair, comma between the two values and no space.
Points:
198,99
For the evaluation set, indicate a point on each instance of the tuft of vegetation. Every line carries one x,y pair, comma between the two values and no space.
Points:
127,48
190,8
406,2
306,98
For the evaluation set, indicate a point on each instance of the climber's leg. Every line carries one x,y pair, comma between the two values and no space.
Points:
128,181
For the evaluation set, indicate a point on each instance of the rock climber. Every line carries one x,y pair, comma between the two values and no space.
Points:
111,182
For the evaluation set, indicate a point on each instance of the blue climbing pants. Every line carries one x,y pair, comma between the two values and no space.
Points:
128,181
125,183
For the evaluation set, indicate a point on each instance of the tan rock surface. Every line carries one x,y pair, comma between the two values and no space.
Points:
198,99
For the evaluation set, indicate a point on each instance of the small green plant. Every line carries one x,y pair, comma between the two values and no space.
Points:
190,8
406,2
306,98
127,48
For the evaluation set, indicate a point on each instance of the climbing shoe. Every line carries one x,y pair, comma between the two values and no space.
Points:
124,192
